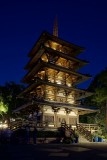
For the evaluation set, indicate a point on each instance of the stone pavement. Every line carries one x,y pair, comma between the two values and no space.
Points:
81,151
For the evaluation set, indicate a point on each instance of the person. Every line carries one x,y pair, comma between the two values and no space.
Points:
35,135
9,133
27,134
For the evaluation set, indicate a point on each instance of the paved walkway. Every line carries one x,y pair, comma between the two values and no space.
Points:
88,151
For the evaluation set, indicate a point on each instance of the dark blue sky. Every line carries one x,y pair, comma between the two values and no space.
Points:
83,22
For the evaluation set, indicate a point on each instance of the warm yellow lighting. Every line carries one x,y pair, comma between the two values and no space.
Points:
51,125
72,113
3,125
58,81
69,84
70,101
74,127
61,112
44,58
54,45
52,80
49,111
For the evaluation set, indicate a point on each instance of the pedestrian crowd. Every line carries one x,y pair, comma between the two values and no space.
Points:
25,134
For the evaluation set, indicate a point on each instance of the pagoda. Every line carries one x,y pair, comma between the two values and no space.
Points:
52,78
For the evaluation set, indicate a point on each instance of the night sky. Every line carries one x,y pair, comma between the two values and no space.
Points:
82,22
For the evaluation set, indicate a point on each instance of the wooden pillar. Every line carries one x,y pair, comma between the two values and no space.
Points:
67,118
77,118
67,115
55,109
43,117
55,119
46,74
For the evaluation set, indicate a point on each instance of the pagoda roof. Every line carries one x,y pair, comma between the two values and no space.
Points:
88,109
47,36
39,53
40,64
84,93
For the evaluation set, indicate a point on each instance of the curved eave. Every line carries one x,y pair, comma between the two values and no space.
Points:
42,64
41,82
61,105
66,56
47,36
35,58
40,51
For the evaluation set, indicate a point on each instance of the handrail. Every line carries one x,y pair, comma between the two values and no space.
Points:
88,124
90,127
86,133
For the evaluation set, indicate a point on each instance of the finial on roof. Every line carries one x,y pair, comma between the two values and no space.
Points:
55,28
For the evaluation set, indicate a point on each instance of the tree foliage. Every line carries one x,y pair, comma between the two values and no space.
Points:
99,87
3,107
9,93
99,98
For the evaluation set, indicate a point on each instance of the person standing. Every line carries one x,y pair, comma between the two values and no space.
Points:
35,135
27,134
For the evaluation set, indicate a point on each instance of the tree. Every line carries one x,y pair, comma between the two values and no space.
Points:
9,93
3,107
99,88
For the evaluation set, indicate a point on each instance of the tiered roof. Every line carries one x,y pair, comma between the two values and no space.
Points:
62,49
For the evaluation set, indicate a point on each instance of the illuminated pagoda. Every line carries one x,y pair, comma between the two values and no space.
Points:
52,80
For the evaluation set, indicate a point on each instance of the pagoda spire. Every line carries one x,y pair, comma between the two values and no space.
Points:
55,28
